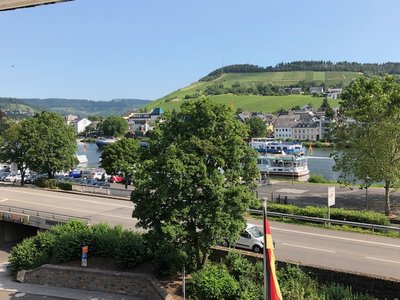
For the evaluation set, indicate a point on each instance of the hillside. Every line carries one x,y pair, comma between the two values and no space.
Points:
14,109
82,108
258,102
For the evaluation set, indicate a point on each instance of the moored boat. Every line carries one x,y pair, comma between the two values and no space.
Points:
271,146
101,142
283,165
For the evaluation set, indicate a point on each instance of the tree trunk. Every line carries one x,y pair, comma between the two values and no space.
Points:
205,259
387,198
22,178
198,260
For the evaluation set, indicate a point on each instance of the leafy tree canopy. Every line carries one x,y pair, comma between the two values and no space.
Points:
368,133
257,127
16,146
114,126
52,144
121,157
197,181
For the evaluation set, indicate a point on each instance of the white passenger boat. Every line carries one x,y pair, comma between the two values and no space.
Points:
283,165
267,146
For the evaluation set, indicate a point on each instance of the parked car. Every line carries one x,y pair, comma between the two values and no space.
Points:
116,178
252,238
30,178
74,174
13,178
3,175
103,184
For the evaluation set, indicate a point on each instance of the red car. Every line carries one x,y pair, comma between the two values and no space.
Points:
116,178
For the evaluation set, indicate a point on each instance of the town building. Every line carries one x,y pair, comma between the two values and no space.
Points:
140,123
80,124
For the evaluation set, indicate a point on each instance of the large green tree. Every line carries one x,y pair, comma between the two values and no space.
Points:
114,126
368,134
121,156
257,127
196,183
15,146
52,144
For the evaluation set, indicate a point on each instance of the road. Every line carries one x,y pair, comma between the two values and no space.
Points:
315,246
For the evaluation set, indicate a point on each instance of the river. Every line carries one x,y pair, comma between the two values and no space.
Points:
319,161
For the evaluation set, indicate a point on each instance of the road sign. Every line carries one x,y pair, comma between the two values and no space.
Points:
331,195
85,250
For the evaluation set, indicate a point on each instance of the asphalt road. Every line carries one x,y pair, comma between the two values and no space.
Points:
315,246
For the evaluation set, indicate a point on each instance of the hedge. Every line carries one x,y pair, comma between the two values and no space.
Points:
368,217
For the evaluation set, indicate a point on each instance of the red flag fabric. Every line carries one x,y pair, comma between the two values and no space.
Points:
274,290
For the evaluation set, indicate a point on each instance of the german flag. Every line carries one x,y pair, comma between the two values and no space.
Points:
273,285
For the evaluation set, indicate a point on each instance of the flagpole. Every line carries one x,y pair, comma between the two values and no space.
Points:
267,292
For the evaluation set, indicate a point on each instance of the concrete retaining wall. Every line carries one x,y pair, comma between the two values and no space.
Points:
133,284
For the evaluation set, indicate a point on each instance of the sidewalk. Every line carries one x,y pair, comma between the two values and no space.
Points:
12,290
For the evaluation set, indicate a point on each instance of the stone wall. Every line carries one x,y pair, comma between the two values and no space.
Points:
133,284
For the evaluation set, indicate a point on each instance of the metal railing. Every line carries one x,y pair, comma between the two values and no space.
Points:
327,221
101,190
43,214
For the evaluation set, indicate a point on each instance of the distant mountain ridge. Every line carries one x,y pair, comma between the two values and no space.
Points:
368,69
80,107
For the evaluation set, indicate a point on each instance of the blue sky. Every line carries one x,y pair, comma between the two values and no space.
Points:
145,49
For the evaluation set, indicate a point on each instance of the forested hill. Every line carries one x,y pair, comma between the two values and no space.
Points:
368,69
84,108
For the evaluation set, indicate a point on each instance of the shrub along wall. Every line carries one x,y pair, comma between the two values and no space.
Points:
331,283
63,243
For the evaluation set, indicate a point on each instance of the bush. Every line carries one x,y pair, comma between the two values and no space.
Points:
69,239
46,183
296,285
248,275
169,260
106,240
338,292
238,265
359,216
368,217
316,178
131,250
66,186
214,282
26,255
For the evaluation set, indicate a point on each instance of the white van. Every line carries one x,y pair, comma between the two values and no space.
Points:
252,238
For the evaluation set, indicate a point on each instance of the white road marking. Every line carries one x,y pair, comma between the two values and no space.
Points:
336,237
70,199
308,248
291,191
91,213
385,260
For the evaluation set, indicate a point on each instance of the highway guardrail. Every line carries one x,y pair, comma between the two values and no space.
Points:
43,214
